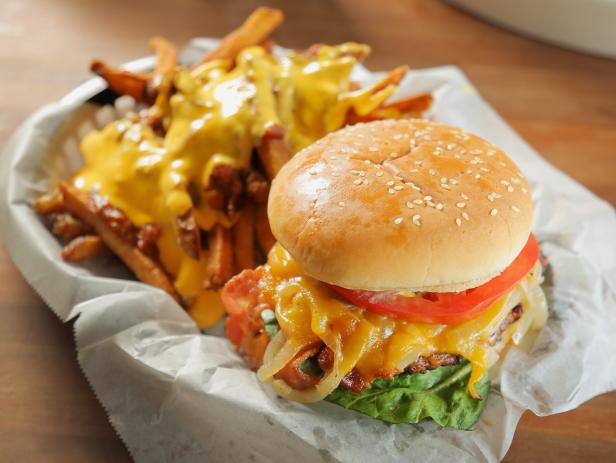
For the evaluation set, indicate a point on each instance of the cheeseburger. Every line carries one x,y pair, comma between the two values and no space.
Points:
405,265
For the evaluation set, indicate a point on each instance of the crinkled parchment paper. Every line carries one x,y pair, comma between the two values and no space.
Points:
174,394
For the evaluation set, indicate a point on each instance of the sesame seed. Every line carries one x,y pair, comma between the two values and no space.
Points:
469,171
391,191
390,183
417,219
313,172
458,221
355,172
444,185
397,136
484,169
504,182
440,206
365,182
491,152
398,220
357,181
398,188
341,204
519,174
463,196
510,189
427,198
413,143
410,205
515,209
397,177
393,155
490,197
502,164
496,195
437,151
431,171
494,212
453,181
333,158
430,203
476,151
456,156
379,173
465,215
477,176
373,149
451,146
443,179
460,205
419,162
418,201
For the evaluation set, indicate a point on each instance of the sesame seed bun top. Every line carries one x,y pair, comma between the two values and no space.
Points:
401,205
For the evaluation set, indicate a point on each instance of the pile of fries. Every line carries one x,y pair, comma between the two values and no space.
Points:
178,188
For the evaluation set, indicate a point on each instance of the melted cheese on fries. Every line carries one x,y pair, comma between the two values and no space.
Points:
308,311
218,115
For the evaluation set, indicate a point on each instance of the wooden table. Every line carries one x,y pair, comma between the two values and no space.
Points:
562,102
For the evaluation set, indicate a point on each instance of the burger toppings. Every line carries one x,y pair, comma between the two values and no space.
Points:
446,308
318,341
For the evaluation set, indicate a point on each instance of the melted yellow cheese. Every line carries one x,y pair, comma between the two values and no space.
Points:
218,114
308,311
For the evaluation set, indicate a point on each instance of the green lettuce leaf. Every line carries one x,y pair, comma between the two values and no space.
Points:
440,394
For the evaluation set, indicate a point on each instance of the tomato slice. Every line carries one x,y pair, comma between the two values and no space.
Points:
446,308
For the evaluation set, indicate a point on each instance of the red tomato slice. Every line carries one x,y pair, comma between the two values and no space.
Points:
446,308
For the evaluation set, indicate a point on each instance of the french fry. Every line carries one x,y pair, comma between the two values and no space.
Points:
257,27
273,151
243,239
263,232
67,227
146,269
49,203
83,248
124,82
220,257
162,79
411,106
166,56
393,78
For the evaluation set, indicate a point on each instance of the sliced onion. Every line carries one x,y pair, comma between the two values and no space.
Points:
278,353
328,383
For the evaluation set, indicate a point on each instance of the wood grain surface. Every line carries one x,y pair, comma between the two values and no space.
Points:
563,103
